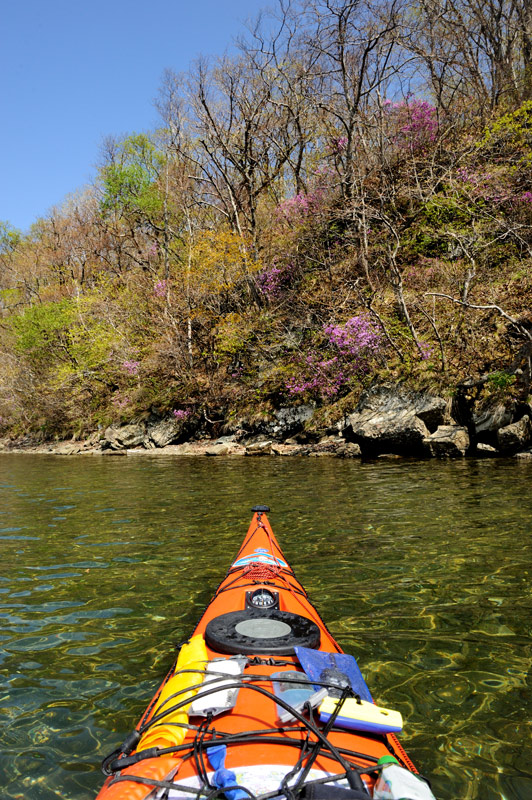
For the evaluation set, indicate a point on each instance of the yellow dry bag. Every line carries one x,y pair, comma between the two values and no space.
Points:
169,730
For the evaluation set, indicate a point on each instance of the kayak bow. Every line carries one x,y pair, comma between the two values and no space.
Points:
262,702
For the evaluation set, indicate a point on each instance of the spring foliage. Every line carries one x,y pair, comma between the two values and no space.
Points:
300,223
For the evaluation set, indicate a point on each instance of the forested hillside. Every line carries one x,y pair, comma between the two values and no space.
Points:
347,196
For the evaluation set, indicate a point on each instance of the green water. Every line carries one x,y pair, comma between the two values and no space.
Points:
421,569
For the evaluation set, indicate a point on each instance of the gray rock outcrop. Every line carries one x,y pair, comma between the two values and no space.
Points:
334,446
220,449
164,431
388,420
391,419
259,449
119,437
288,421
490,417
154,432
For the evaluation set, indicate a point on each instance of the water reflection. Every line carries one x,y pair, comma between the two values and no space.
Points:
422,570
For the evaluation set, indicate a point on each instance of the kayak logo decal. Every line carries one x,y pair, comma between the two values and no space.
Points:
262,556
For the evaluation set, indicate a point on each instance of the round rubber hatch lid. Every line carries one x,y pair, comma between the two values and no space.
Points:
258,631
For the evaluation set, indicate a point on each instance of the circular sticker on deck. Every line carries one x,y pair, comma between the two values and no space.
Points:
267,629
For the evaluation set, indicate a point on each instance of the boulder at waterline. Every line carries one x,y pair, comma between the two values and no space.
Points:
165,431
392,419
335,446
526,455
119,437
486,450
259,449
448,441
516,436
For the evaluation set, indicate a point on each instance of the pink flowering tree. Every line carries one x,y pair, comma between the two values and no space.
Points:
275,280
297,208
304,205
357,339
416,123
351,349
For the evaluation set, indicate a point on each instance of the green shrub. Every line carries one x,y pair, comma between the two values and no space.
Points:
442,210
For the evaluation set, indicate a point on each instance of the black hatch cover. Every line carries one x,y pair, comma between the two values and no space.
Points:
261,631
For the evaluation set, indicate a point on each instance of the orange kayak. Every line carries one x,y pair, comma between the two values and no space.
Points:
262,702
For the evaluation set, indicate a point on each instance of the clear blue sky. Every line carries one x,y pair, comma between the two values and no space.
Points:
73,73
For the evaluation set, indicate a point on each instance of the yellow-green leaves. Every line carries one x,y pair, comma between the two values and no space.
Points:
511,136
130,180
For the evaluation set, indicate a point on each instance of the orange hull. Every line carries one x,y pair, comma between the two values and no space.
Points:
259,573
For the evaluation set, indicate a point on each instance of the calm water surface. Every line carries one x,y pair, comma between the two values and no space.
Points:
421,569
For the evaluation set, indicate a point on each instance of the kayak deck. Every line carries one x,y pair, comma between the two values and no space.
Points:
260,622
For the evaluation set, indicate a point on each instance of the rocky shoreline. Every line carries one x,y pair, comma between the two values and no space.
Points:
389,421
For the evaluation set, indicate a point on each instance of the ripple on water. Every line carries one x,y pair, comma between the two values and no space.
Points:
420,570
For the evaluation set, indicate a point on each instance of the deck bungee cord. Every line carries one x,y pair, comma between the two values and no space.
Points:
109,766
200,743
262,703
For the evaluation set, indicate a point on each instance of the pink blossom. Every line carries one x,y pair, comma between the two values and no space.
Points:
120,402
357,337
131,367
351,348
160,288
418,123
323,171
181,414
489,187
339,144
298,207
426,350
275,280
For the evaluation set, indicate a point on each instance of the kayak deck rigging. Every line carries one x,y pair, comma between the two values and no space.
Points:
207,735
249,654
